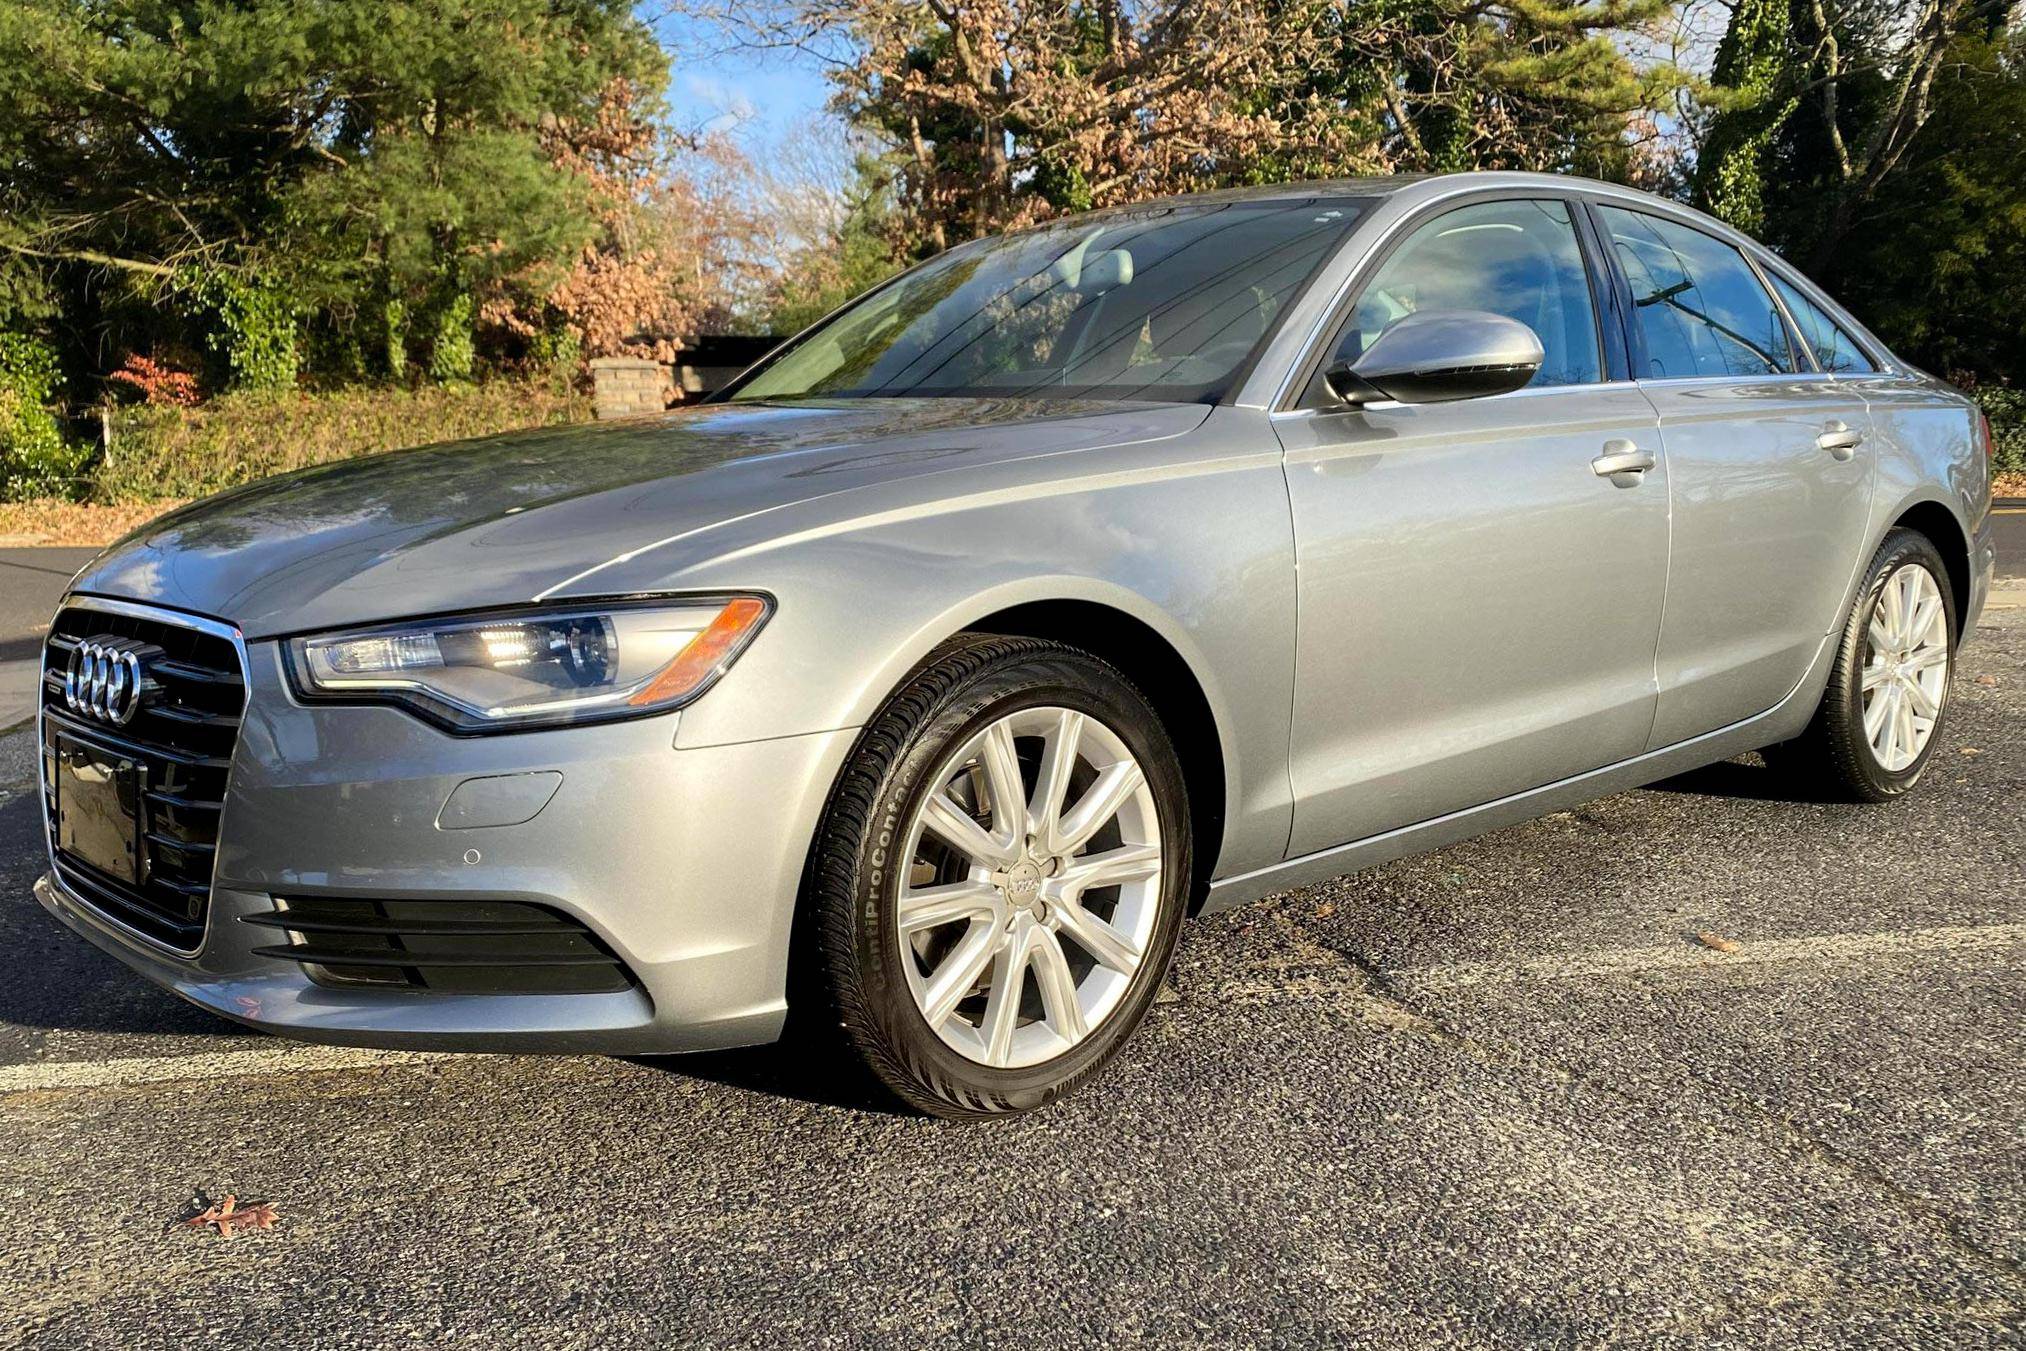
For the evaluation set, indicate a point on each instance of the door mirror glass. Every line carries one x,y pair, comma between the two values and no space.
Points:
1435,356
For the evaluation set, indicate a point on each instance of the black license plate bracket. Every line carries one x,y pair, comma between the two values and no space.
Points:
98,808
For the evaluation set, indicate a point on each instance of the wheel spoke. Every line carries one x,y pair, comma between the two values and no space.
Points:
1902,735
1878,714
1922,703
1009,794
1002,1006
1108,792
1112,868
1890,602
1058,987
960,971
1058,762
947,818
929,907
1926,612
1875,674
1098,938
1928,657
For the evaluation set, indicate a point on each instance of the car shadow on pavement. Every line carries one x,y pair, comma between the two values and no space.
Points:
53,980
1747,777
789,1068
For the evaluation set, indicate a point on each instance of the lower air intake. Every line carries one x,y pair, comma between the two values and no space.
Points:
451,947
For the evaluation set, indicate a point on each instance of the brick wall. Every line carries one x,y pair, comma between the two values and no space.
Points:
628,387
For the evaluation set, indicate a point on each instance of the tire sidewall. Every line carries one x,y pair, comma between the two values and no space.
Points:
1044,678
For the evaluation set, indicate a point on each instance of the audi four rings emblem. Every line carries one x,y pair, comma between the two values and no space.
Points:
107,678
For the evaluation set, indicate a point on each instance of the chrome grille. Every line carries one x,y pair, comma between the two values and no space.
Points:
181,736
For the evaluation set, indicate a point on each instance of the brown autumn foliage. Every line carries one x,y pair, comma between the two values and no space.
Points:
1000,112
659,267
1091,105
228,1217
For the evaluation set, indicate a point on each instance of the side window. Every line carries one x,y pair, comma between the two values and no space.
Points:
1700,308
1834,349
1519,259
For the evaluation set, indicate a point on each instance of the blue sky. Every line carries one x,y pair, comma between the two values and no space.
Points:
768,95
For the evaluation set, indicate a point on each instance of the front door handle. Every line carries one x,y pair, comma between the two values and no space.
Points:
1839,440
1624,463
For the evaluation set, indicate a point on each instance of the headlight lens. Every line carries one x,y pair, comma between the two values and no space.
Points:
521,669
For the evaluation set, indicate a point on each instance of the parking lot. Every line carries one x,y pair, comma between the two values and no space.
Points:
1500,1094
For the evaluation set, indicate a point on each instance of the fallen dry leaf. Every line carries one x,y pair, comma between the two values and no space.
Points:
1973,750
1716,942
1325,910
1987,680
228,1218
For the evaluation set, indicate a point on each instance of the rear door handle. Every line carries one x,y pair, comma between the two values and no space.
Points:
1840,440
1624,463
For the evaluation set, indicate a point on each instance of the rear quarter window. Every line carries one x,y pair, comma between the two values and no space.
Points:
1835,350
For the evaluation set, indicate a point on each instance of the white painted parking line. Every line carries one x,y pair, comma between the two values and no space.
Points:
1687,955
1829,949
290,1058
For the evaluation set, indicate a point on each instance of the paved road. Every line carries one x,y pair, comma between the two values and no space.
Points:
2010,525
1492,1096
31,583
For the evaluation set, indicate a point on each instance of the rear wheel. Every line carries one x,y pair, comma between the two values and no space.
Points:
1000,877
1882,713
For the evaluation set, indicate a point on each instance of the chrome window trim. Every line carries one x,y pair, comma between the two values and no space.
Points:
1381,405
160,615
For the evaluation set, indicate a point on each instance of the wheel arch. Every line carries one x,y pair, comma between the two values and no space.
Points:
1157,667
1939,524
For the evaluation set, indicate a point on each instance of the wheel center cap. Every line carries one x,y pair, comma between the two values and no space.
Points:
1023,885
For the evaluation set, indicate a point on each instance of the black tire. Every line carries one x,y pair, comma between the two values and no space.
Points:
851,937
1833,759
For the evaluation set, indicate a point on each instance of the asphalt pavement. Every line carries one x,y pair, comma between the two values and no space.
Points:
1498,1095
31,582
2009,526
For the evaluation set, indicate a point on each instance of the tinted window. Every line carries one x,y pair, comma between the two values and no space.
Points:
1163,303
1834,349
1518,259
1698,304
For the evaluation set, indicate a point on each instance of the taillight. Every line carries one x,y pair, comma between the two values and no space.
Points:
1984,435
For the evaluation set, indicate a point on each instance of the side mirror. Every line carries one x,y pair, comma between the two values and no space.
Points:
1440,355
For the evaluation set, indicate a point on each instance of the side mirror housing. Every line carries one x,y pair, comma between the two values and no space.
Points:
1440,355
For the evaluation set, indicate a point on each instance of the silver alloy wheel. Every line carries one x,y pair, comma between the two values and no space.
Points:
1046,874
1906,667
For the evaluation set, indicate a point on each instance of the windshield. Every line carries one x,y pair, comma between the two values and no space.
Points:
1169,303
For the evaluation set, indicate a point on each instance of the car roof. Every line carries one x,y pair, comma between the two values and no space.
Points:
1376,185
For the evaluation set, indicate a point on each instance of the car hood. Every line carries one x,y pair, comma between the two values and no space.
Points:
507,518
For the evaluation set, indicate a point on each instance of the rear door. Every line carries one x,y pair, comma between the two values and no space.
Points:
1478,601
1767,467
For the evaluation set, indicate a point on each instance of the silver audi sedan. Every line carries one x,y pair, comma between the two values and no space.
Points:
917,687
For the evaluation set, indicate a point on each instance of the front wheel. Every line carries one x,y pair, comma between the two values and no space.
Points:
1881,715
1000,877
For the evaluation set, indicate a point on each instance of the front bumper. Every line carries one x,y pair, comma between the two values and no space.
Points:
685,863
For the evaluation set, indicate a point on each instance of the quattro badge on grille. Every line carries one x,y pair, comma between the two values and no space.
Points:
108,679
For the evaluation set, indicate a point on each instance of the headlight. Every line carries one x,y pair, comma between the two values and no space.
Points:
520,669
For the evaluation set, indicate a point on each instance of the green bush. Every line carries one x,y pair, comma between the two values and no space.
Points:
451,352
189,452
256,330
394,338
34,460
2006,408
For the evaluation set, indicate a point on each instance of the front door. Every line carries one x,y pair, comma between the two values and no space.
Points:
1479,598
